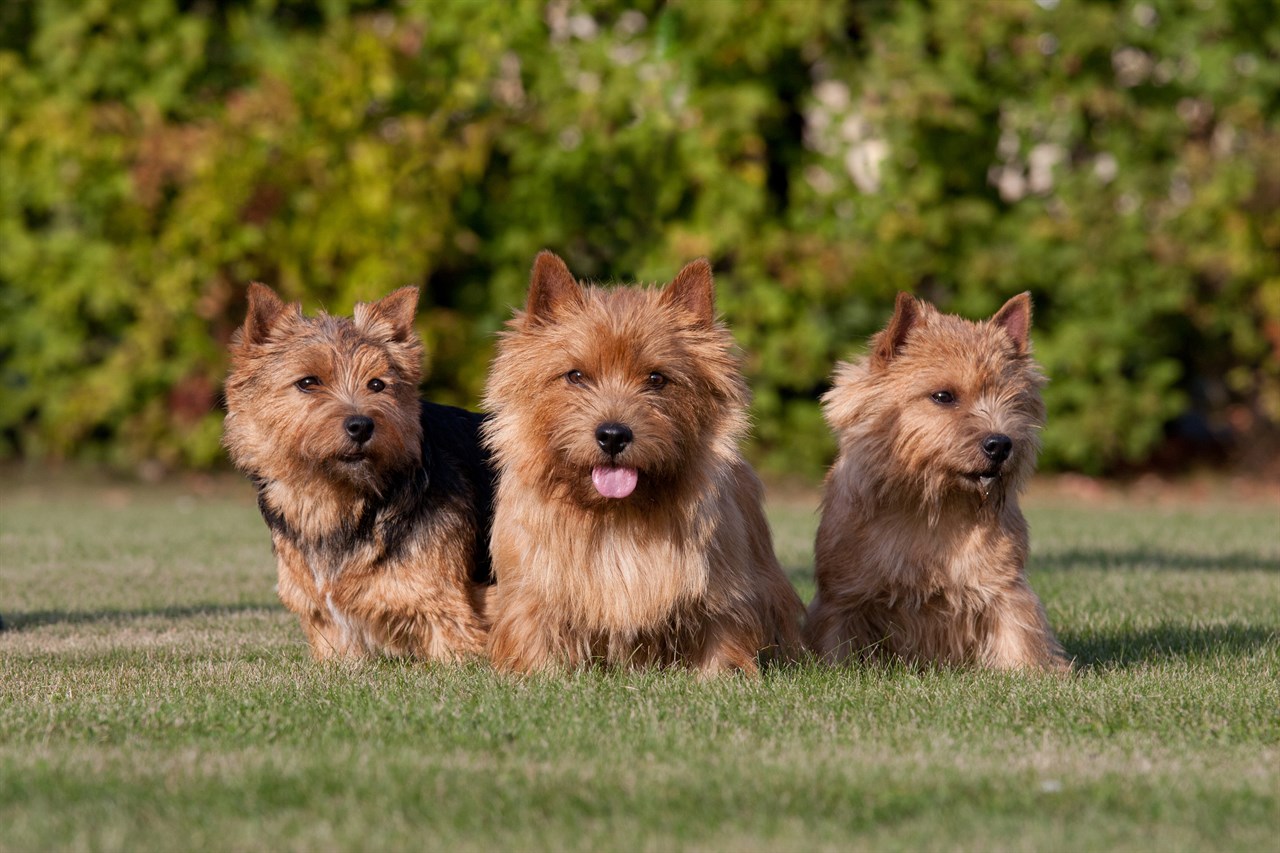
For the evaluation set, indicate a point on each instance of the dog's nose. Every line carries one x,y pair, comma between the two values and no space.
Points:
997,447
359,427
613,438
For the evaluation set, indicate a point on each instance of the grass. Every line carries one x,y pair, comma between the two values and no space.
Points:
155,695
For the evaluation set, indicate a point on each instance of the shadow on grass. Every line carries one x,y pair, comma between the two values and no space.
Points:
1099,558
1165,642
37,618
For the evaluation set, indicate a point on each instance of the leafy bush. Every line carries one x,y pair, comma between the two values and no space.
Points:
1122,162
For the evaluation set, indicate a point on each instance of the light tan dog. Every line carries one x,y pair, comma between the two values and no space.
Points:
628,529
922,546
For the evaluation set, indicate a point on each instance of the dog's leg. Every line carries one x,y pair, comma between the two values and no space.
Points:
725,648
837,632
520,639
1018,636
297,591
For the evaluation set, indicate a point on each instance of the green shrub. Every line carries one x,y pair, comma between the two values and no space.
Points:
1122,162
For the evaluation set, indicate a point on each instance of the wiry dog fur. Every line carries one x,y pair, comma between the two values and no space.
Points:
922,546
679,571
378,504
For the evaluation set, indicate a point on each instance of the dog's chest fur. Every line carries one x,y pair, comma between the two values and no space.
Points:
615,574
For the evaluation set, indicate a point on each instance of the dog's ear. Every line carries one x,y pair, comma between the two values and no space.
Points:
550,286
694,290
266,310
1015,319
906,314
391,317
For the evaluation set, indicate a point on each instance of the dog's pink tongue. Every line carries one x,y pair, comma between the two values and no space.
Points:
614,482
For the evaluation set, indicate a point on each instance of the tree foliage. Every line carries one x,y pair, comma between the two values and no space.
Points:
1121,161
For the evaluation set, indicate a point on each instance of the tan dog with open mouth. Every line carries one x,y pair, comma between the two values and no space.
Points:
628,529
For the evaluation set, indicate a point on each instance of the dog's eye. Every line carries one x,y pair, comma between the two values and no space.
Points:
376,385
943,398
656,380
575,377
308,383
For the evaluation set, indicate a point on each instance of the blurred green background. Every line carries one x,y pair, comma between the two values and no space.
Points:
1119,160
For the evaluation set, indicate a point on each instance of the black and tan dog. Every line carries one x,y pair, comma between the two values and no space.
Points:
378,503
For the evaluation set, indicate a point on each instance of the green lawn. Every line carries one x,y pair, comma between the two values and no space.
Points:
155,695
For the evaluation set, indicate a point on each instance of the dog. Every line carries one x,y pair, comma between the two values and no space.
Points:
628,528
922,548
379,504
